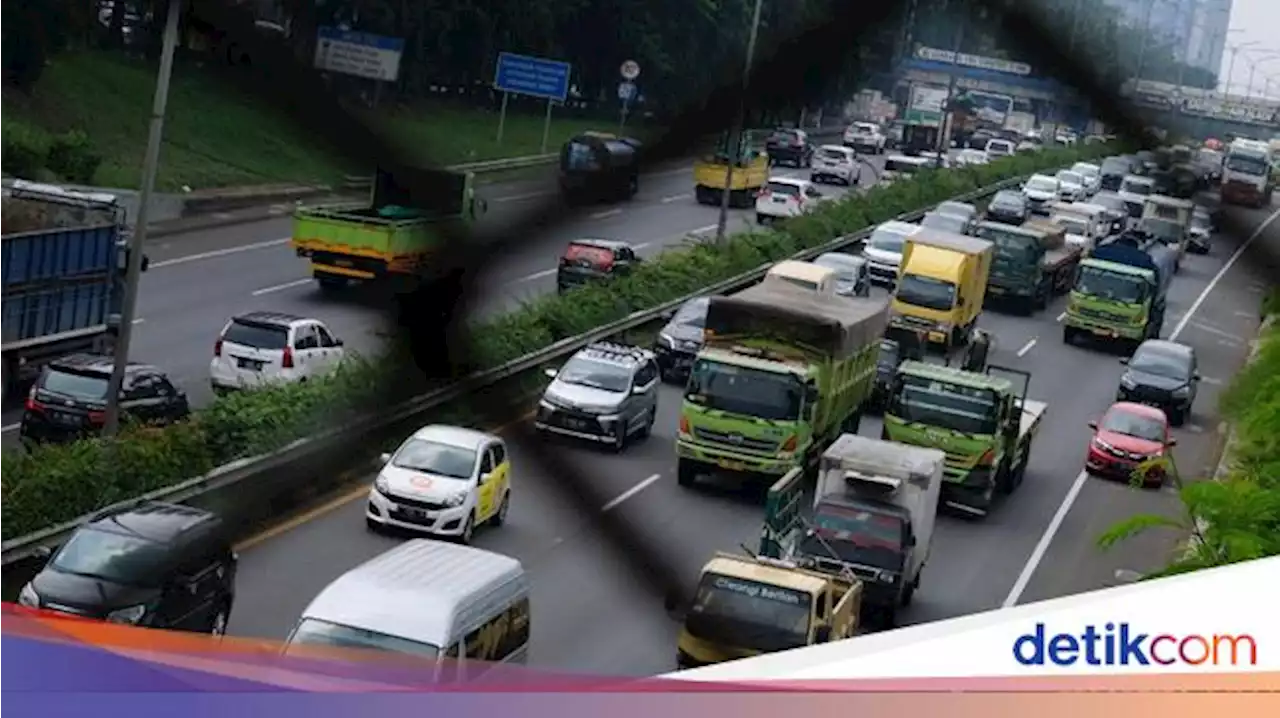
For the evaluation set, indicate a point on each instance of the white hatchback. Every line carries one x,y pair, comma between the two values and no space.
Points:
261,348
837,164
784,197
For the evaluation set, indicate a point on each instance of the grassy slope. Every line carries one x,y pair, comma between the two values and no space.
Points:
215,137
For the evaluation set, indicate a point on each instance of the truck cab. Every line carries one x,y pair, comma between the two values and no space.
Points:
1032,262
1086,224
942,284
805,275
1169,221
750,171
1119,291
750,605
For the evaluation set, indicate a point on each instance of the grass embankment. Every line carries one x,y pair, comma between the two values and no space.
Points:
215,136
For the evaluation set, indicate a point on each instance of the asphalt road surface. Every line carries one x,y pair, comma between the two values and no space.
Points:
197,281
591,616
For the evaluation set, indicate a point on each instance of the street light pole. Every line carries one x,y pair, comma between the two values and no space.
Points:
947,113
1231,66
1253,67
133,272
1142,46
735,133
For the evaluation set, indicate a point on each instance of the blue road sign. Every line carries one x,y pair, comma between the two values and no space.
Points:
366,39
626,91
534,76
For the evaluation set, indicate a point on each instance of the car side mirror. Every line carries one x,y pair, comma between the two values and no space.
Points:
822,634
1124,361
550,372
1171,443
1093,425
1196,376
384,459
338,343
44,553
484,477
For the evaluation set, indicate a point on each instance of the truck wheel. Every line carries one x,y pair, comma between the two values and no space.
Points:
702,195
1068,335
686,473
852,423
909,592
1004,479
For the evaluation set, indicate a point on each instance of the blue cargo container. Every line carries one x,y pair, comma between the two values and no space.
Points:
60,279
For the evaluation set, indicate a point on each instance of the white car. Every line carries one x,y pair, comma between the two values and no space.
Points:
971,157
444,481
999,148
1040,190
1071,185
1092,175
866,137
784,197
836,164
261,348
1028,146
883,250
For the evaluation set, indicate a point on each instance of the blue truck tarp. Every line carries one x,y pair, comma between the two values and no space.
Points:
1153,256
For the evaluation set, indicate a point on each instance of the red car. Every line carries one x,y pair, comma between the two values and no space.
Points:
1128,435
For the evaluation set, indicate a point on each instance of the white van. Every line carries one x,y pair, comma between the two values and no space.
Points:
461,608
1086,224
805,275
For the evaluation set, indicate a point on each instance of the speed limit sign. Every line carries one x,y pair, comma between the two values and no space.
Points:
630,70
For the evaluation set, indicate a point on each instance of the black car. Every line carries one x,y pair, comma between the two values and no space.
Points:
69,399
1009,207
681,339
596,166
1163,374
594,260
153,564
788,146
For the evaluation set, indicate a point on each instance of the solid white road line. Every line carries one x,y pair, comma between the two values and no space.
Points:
606,213
1062,316
675,198
537,275
1037,554
281,287
629,493
1027,347
8,427
521,197
219,253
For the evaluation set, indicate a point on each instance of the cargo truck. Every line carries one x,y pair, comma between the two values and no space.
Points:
62,256
1032,264
941,285
750,605
1168,219
750,172
1119,291
385,238
873,514
783,371
982,421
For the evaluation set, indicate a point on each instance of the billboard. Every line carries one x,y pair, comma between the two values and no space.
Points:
990,108
925,106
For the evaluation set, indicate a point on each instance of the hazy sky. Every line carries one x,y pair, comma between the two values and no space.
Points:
1254,23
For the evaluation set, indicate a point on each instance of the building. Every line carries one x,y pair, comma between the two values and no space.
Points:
1197,29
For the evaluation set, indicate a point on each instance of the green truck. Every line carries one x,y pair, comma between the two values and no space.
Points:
782,373
1033,263
387,237
1119,292
982,421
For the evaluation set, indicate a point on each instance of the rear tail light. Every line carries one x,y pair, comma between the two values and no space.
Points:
97,417
217,347
286,360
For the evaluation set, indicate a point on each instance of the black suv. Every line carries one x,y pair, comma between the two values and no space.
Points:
1162,374
69,399
151,564
790,147
1008,207
594,260
681,339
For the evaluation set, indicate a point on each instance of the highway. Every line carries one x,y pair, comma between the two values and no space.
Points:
590,616
197,281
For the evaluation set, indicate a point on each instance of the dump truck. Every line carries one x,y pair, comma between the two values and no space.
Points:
63,257
873,514
983,421
750,605
783,371
750,171
941,285
385,238
1119,292
1033,262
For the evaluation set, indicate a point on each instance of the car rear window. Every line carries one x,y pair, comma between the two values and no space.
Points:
832,153
784,188
90,387
785,137
258,336
588,256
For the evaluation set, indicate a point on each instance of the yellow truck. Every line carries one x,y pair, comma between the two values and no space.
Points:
750,172
750,605
941,285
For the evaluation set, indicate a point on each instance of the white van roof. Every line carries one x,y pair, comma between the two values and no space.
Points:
804,271
421,590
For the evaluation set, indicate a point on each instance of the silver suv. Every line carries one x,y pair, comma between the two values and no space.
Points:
606,393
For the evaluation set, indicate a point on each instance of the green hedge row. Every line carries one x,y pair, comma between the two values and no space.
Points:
30,153
52,484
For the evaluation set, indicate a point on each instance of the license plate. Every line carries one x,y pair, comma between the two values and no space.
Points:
732,465
249,364
779,200
1105,333
62,417
573,423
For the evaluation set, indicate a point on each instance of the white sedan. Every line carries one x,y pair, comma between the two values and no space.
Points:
1072,186
972,157
784,197
443,481
836,163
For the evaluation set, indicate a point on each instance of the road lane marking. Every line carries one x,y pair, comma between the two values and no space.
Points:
629,493
1214,330
607,213
138,321
521,197
218,253
1211,381
1245,315
537,275
10,427
1062,316
1027,347
675,198
281,287
701,230
1050,531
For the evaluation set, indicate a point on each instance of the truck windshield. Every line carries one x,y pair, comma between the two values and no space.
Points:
1105,284
1073,225
926,292
918,399
856,535
742,390
1136,186
749,614
1247,165
1011,248
1164,229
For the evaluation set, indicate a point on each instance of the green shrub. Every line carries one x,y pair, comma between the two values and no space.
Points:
57,483
72,157
23,149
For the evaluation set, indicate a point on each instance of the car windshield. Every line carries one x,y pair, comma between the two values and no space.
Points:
958,209
1005,198
1070,178
692,313
887,240
865,129
1136,186
1110,201
595,374
73,385
1010,246
1085,170
258,336
855,535
833,153
116,557
742,390
749,614
1105,284
1247,164
919,399
1132,424
1165,364
1042,184
1073,225
944,222
926,292
999,147
317,633
784,188
579,156
1200,221
431,457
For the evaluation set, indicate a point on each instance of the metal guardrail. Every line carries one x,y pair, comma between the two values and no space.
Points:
249,468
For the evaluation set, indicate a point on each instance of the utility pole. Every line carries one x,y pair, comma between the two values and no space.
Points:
735,133
1142,46
947,113
134,270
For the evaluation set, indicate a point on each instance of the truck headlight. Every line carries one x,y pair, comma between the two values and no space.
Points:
130,615
28,597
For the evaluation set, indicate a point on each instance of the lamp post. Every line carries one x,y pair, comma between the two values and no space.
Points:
1253,67
735,134
1231,64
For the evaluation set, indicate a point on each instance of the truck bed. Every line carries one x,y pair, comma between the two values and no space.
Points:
1055,258
1032,412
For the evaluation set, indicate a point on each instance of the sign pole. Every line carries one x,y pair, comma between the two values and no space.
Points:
622,121
502,115
546,128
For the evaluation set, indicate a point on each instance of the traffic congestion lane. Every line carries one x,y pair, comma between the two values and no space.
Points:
1220,331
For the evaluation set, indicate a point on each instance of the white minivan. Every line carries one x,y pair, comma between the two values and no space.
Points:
883,250
263,348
